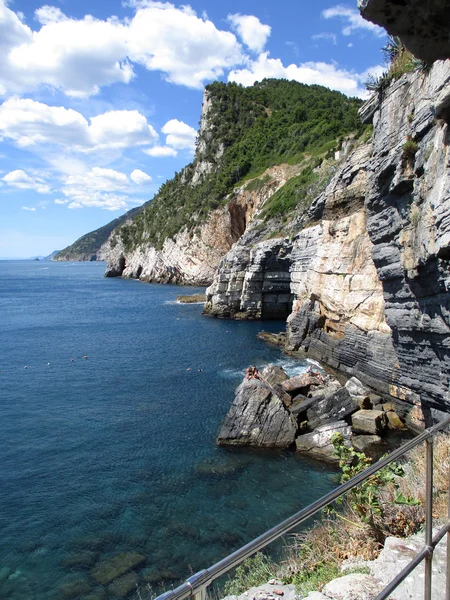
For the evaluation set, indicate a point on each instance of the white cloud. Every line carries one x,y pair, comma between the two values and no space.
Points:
179,135
58,201
160,151
81,56
188,49
121,129
325,36
49,14
252,32
320,73
30,208
99,187
29,123
352,19
99,200
20,180
139,177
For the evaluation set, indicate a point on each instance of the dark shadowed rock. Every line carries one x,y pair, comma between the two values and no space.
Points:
300,404
257,417
335,407
422,26
318,443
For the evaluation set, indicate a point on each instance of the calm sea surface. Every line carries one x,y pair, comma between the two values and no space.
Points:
114,453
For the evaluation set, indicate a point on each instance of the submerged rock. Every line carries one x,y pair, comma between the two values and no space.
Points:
106,571
124,585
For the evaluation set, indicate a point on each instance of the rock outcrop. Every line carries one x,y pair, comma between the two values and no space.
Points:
272,410
408,220
258,417
422,26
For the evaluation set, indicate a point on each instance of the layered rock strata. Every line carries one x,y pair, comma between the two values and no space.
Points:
369,279
408,220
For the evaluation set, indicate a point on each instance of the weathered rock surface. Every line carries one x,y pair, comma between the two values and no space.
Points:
336,406
397,553
252,281
257,417
355,586
366,443
274,375
318,443
422,26
355,388
369,282
408,220
372,422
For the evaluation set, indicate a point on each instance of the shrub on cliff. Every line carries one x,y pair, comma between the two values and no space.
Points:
248,130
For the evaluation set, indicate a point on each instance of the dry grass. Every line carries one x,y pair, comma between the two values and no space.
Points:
318,553
413,484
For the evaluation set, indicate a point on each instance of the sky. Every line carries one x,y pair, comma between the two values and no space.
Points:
100,101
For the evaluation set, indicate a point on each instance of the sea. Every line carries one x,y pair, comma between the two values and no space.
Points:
111,394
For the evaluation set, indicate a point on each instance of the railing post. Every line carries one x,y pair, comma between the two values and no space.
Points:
429,518
447,575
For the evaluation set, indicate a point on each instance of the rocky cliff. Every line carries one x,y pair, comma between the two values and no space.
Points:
192,257
368,279
194,220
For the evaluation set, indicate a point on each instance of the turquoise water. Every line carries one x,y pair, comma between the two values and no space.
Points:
114,453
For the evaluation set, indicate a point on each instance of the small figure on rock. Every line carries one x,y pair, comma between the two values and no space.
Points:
252,373
313,373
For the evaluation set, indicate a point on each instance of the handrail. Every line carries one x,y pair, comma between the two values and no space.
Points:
196,584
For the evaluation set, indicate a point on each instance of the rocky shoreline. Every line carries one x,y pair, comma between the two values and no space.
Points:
303,412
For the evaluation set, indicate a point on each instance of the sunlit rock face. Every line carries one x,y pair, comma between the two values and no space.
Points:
423,26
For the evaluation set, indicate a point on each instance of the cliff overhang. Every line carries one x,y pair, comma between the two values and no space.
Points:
422,26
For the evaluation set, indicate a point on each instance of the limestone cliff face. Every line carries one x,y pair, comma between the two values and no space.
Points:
193,258
369,279
408,218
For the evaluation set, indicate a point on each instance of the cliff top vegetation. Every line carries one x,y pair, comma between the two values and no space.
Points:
247,130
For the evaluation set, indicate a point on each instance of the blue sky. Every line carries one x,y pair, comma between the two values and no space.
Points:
100,101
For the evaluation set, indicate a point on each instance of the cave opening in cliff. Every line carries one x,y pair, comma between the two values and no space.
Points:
276,306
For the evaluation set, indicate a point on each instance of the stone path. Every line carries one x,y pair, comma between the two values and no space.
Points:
396,554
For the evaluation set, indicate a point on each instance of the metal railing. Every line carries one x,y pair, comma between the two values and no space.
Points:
195,586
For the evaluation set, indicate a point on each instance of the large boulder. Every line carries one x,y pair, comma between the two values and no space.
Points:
274,375
336,406
369,421
257,417
318,443
301,383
